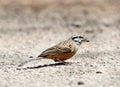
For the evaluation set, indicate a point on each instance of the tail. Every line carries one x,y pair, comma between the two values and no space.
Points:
35,59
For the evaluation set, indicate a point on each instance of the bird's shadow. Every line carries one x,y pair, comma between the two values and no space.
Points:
42,66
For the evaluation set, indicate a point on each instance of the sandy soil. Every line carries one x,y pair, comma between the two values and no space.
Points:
25,32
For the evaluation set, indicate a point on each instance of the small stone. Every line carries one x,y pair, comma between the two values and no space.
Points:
80,83
31,57
91,65
98,72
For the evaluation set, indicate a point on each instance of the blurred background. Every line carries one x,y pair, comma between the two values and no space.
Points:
39,20
27,27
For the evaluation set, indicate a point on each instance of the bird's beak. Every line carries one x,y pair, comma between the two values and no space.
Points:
85,40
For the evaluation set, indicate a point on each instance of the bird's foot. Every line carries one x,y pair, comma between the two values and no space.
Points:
67,63
63,62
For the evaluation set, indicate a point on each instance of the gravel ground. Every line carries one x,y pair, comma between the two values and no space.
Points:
24,34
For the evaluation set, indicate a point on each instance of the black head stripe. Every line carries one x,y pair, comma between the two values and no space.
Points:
77,37
74,37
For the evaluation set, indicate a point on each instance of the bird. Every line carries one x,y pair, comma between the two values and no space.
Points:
63,50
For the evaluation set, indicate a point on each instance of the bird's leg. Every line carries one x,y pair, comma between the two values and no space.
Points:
62,61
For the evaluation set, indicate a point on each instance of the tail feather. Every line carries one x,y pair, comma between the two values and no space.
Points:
42,55
22,64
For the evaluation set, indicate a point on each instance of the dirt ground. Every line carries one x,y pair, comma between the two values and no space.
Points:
26,29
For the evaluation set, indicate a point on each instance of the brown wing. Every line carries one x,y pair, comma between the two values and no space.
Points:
56,50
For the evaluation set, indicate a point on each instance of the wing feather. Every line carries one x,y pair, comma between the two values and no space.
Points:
56,50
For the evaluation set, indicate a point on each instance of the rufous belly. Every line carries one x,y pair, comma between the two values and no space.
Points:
62,56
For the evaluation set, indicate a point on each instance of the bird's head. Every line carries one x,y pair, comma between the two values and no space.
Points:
79,39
